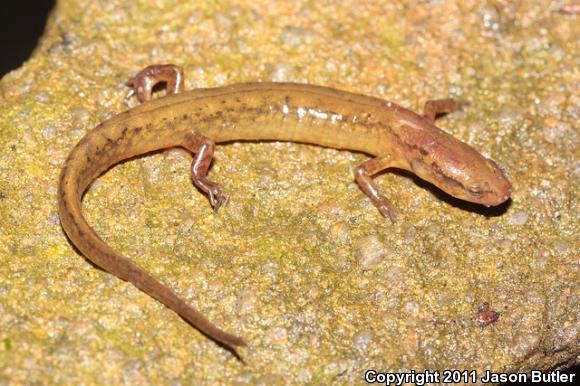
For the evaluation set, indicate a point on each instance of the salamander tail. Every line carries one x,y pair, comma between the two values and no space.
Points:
82,235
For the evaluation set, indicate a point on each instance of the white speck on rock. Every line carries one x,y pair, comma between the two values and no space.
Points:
41,97
542,259
410,233
340,232
246,303
412,307
560,131
108,322
223,22
49,132
518,218
281,72
509,114
561,246
336,367
362,340
278,335
524,343
296,36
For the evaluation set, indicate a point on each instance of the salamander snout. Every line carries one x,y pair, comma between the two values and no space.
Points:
466,175
492,186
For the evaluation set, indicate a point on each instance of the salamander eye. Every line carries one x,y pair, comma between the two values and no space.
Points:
475,190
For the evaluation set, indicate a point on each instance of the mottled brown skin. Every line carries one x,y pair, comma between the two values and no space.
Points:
197,119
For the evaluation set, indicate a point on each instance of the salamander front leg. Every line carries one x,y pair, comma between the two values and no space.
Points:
142,84
203,149
363,174
440,106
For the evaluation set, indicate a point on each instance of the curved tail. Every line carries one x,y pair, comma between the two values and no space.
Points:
73,183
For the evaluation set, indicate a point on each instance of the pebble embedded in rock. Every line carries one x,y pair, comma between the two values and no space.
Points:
369,251
518,218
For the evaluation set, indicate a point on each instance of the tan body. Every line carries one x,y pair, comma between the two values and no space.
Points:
266,111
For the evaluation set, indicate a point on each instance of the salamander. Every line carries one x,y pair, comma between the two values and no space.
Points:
198,119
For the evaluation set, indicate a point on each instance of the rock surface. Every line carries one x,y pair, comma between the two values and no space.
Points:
287,264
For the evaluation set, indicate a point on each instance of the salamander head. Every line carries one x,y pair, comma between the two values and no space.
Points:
461,171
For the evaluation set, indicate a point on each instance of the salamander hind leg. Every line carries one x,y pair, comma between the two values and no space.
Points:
203,149
363,175
142,84
440,106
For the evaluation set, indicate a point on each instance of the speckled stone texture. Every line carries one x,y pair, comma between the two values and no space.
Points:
299,264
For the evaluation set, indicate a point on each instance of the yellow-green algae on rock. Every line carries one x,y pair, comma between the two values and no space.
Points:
299,264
